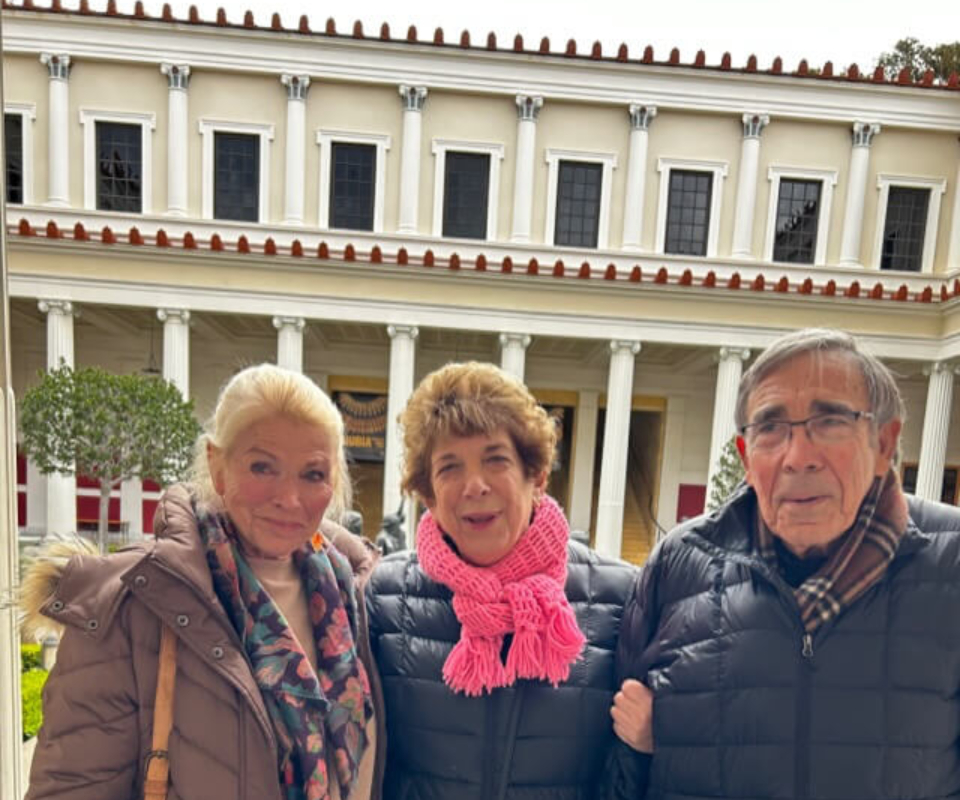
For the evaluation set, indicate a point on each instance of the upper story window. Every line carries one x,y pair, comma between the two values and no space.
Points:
119,167
465,195
353,186
236,170
578,196
908,214
688,211
13,148
798,213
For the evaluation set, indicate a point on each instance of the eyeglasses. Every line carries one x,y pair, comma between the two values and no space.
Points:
822,429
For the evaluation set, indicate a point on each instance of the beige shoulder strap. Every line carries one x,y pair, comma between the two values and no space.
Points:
158,762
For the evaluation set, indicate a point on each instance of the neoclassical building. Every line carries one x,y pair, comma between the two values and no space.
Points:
622,230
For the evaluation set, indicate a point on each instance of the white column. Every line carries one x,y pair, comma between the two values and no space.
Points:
753,125
290,342
729,370
863,133
936,428
178,81
58,137
36,498
953,251
61,489
297,86
413,99
528,109
584,450
176,347
640,118
513,351
402,359
131,507
616,440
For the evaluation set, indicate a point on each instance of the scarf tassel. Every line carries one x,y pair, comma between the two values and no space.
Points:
564,643
525,657
474,665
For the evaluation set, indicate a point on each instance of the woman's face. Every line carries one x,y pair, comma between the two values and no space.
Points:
482,498
276,481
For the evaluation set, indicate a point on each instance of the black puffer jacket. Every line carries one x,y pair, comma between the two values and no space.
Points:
869,709
527,742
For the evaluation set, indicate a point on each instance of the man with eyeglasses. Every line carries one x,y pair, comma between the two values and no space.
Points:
803,640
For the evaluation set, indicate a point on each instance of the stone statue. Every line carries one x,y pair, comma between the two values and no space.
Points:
392,537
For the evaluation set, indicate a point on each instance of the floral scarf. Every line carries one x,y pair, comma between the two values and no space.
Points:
310,711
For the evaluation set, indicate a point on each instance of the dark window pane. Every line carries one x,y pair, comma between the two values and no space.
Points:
236,179
465,195
904,229
578,204
798,211
352,186
688,212
13,147
119,167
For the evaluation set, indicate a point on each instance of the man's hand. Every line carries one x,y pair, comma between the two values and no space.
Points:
632,713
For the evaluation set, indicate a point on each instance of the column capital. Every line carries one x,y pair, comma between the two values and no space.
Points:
297,86
413,97
624,346
63,307
863,133
753,125
521,339
175,315
940,367
404,331
296,323
641,116
58,65
528,107
178,75
730,353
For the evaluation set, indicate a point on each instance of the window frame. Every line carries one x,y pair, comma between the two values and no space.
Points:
28,115
937,188
208,129
609,163
325,141
828,180
439,148
719,169
89,117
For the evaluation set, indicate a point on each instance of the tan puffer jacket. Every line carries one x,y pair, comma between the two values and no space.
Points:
98,700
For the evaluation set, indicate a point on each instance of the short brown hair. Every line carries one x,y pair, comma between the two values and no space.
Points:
468,400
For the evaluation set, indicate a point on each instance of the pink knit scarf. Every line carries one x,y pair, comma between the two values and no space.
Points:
522,594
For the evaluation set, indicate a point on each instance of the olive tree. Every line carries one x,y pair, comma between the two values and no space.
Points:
728,476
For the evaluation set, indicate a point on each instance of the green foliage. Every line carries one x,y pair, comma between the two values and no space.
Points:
911,53
728,476
31,689
29,657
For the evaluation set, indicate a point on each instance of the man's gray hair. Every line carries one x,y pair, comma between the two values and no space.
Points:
882,392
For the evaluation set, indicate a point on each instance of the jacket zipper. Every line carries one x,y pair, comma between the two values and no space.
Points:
802,711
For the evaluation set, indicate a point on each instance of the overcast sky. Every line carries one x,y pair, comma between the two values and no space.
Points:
843,31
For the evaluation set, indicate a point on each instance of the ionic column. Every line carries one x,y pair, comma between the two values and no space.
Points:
729,370
413,98
289,342
513,351
58,131
297,86
178,81
528,109
863,133
61,489
36,498
616,439
640,119
936,427
176,347
584,449
402,359
753,125
131,506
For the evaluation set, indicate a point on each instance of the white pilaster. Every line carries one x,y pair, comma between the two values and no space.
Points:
584,450
729,370
131,507
753,125
290,342
58,138
616,439
528,109
297,86
413,98
513,352
176,347
863,134
36,498
640,118
936,427
953,251
672,462
178,81
402,359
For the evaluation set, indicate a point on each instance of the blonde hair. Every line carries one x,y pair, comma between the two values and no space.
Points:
266,390
470,399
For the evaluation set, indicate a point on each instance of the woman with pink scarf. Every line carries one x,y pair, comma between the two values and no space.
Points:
494,638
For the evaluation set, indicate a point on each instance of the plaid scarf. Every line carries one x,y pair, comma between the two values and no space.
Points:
310,711
858,562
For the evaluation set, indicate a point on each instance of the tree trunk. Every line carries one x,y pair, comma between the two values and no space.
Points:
105,487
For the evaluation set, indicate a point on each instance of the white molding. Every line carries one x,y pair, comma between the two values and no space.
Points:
325,140
828,179
937,187
609,163
719,171
495,151
89,117
209,127
28,114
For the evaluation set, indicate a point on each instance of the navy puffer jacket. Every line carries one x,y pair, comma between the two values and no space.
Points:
744,707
